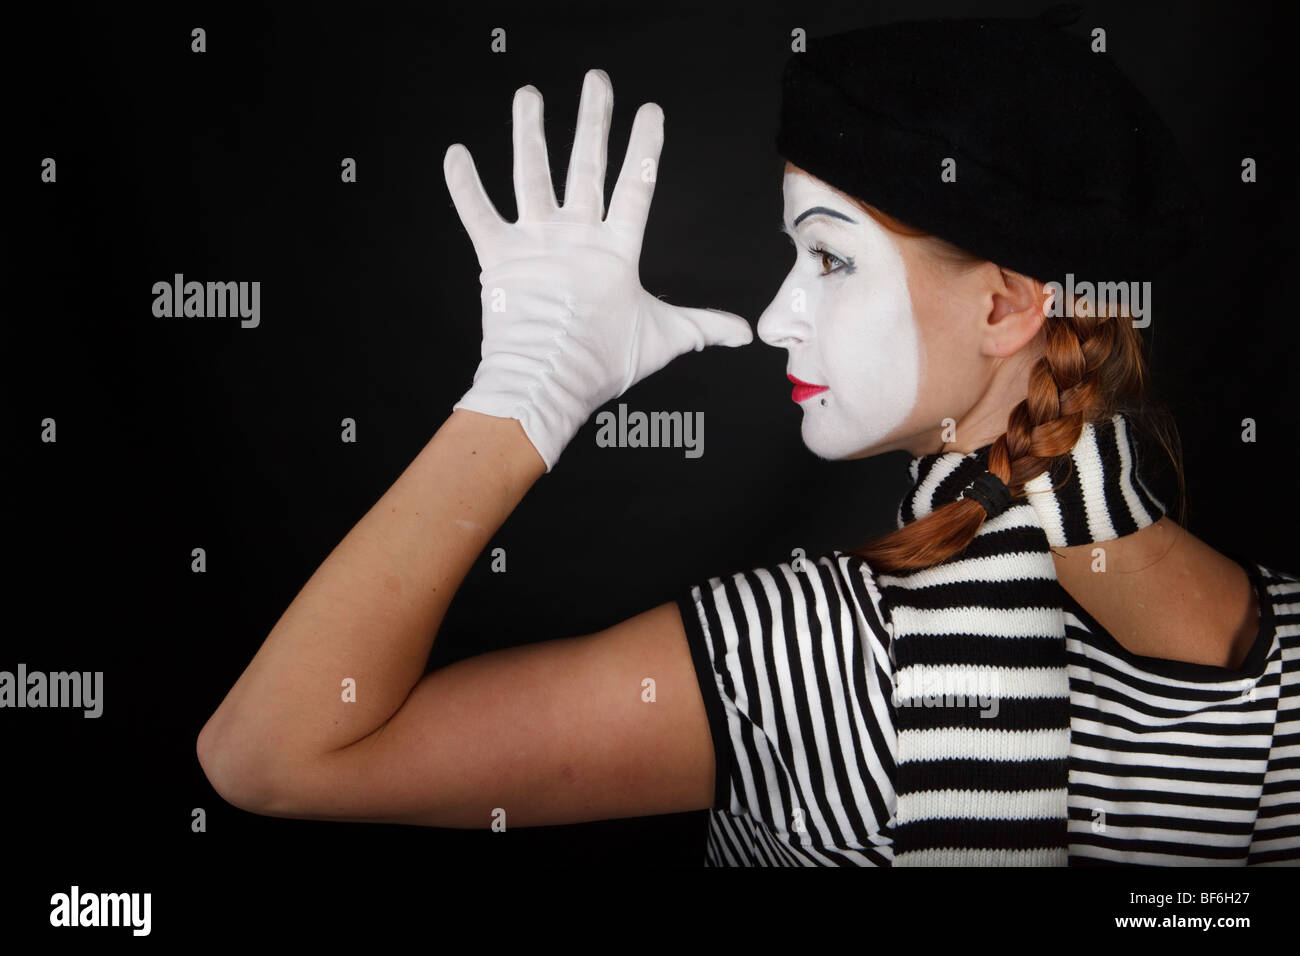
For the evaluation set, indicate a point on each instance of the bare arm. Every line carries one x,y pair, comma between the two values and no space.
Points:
372,609
556,732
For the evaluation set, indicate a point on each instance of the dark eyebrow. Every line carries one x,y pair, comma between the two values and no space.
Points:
821,211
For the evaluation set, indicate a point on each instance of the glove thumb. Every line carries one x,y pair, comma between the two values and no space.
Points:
716,327
672,330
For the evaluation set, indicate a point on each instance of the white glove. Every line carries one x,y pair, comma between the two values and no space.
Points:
566,324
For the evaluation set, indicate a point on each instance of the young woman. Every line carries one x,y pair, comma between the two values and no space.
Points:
1038,667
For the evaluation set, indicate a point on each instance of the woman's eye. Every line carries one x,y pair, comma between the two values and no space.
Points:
830,262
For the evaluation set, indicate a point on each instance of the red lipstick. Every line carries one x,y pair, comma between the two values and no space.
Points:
803,390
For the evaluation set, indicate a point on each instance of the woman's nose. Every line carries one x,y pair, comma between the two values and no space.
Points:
785,321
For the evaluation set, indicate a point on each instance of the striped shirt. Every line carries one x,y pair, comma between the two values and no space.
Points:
1170,763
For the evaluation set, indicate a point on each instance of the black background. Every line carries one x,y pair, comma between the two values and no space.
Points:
175,434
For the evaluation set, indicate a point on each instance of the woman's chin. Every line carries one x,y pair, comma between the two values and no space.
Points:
840,447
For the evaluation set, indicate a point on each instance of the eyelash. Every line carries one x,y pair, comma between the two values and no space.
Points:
821,253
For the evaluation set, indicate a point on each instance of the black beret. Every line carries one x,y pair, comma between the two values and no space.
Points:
1061,164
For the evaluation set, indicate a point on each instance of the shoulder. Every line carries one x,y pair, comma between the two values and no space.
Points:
835,590
1278,593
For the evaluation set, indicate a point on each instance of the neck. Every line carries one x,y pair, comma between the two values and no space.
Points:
987,419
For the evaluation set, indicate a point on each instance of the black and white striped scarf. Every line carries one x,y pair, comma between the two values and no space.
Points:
981,692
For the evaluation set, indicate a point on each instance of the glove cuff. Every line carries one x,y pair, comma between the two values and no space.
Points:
549,430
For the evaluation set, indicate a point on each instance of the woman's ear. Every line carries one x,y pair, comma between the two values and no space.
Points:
1015,316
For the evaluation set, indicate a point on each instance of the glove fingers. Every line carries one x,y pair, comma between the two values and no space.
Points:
630,205
534,193
584,189
477,214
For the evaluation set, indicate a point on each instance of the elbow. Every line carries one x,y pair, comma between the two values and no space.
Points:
234,773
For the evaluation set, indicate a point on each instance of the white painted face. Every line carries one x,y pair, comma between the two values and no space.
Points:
845,315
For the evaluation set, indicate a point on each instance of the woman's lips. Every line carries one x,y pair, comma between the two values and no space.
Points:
803,390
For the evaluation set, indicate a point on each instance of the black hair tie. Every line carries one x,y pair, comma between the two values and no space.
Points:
990,491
